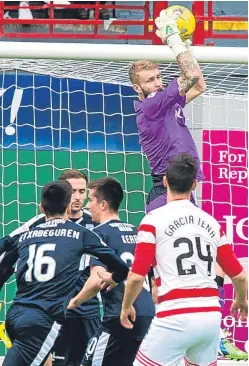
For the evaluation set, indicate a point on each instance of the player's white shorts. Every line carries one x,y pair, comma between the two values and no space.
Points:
193,336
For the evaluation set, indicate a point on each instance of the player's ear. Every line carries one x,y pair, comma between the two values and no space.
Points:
194,184
103,205
68,210
137,88
41,208
165,182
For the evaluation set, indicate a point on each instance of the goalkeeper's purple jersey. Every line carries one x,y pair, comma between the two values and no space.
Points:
162,130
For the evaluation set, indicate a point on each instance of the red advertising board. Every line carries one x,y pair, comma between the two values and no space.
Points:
225,196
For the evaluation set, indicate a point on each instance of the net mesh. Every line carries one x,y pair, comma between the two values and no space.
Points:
57,115
221,79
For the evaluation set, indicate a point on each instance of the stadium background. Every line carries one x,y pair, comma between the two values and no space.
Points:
63,131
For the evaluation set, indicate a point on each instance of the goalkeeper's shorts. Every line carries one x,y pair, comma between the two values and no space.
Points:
157,196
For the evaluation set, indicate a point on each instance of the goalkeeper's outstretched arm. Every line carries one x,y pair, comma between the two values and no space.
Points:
190,72
191,81
199,87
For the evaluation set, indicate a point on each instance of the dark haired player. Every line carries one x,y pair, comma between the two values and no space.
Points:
81,323
47,272
113,345
183,242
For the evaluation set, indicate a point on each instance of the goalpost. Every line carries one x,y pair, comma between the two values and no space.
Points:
71,106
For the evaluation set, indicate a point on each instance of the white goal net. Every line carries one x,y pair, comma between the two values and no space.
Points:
60,114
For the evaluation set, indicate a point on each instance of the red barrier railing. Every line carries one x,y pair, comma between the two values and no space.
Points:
121,29
201,34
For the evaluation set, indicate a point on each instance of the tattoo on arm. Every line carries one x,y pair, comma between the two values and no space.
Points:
189,72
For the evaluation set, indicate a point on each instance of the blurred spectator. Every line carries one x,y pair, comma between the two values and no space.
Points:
85,13
59,2
59,12
24,12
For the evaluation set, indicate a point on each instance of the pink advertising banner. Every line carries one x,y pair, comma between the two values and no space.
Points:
225,196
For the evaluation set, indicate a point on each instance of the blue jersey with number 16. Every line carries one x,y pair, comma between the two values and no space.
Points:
48,267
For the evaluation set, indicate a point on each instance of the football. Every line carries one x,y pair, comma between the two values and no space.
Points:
185,20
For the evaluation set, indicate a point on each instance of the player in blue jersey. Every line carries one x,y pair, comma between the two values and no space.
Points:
47,273
82,323
113,345
78,181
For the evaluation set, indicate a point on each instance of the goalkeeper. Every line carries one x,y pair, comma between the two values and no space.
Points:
160,119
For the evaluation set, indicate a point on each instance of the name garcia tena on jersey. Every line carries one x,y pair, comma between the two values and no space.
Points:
189,220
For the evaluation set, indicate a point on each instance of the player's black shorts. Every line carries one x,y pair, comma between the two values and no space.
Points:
157,196
113,345
71,344
32,333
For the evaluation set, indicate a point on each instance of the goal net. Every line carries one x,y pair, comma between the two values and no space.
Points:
61,114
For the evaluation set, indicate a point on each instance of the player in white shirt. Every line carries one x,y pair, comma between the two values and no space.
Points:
182,242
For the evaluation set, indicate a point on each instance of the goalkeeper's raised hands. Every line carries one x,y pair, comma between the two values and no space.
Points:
166,26
168,31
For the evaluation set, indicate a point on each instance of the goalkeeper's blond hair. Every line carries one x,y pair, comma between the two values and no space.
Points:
140,65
